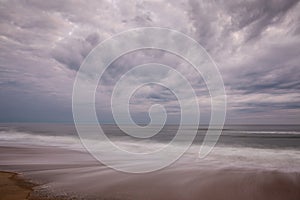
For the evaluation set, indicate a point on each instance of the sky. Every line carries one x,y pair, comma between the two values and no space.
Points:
255,44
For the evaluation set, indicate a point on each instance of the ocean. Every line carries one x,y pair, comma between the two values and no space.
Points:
255,136
53,156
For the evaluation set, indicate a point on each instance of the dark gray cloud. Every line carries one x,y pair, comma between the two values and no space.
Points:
274,71
256,45
72,52
257,16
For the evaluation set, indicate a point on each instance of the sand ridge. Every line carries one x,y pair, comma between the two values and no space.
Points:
13,187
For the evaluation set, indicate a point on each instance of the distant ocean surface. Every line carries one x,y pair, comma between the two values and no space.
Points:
255,136
53,155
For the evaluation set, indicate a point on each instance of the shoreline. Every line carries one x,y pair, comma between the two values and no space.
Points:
233,184
61,174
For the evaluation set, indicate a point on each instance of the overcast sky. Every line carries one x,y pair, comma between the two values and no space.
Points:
255,44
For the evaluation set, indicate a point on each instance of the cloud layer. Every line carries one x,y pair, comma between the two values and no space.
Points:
256,45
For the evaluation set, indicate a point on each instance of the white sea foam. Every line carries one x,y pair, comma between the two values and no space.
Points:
270,132
24,138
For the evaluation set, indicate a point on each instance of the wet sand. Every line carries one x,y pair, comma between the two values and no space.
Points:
210,186
67,173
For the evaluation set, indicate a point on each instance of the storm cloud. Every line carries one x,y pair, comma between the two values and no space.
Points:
255,44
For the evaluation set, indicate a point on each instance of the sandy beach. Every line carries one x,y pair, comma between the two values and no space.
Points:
13,187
